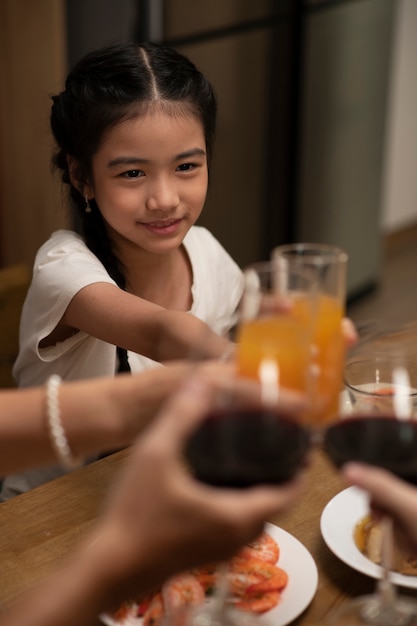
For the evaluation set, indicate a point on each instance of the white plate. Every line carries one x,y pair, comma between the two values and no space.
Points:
297,561
337,523
302,572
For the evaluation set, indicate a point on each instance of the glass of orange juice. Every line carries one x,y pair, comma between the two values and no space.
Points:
329,265
275,327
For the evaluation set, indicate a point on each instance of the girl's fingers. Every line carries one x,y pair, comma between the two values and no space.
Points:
349,332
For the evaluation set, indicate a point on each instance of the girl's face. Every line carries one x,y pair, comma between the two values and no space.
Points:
149,179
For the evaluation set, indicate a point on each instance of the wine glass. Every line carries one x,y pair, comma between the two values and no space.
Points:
242,445
381,430
246,441
329,265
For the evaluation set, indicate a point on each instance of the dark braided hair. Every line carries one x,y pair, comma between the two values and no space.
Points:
107,86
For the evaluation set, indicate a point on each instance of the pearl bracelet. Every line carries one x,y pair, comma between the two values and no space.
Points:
56,431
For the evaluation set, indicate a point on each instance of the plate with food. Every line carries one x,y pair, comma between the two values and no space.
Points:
275,576
349,531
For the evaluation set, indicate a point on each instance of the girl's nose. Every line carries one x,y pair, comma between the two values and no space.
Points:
162,196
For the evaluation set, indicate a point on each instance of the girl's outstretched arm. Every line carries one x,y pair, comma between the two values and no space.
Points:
122,319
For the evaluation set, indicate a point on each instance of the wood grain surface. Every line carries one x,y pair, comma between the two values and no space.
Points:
39,528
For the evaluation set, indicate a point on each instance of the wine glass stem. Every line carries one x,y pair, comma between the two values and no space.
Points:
222,588
386,589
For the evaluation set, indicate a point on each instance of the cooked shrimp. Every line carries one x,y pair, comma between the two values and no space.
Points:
259,602
155,611
240,578
275,579
182,590
254,575
263,547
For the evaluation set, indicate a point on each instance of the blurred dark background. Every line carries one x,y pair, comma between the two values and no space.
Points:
302,89
307,93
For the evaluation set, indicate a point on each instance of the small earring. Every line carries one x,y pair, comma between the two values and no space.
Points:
87,204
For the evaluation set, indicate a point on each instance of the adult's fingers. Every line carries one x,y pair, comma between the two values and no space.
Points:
207,388
387,491
181,413
261,502
245,392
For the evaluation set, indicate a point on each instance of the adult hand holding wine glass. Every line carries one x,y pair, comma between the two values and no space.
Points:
391,495
380,430
260,440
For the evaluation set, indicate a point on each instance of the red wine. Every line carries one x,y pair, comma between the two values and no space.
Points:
381,440
247,447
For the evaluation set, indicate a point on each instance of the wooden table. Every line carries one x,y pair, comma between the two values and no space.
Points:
39,528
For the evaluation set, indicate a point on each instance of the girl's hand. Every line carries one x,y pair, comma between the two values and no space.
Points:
349,332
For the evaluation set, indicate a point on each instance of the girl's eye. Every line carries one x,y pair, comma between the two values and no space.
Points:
132,174
186,167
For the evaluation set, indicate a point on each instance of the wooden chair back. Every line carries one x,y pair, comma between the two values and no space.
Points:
14,283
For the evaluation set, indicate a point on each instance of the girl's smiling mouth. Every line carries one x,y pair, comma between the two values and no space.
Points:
163,227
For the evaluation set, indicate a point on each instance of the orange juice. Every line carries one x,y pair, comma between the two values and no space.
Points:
308,349
279,339
328,354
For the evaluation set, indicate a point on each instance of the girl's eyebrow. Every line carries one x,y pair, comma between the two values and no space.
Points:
134,160
126,160
190,153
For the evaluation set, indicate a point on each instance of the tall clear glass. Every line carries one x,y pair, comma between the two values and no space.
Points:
329,266
276,325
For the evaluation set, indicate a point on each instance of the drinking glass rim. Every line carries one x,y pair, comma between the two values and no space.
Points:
376,359
331,253
268,266
364,392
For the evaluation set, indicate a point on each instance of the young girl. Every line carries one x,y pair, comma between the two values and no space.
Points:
134,130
